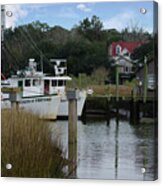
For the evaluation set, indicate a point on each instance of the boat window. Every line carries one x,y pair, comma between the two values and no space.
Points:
54,83
20,83
36,82
27,82
60,83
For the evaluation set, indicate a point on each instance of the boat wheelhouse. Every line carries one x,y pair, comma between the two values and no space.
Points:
34,96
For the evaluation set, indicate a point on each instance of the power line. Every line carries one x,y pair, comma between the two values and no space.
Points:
10,53
37,49
34,43
26,34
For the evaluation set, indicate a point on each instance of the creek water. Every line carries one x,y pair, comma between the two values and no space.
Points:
115,151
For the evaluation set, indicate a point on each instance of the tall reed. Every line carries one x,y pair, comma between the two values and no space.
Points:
27,146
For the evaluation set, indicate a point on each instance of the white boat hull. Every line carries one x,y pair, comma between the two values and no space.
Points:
44,106
63,108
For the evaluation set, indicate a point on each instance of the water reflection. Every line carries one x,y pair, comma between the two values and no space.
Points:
115,151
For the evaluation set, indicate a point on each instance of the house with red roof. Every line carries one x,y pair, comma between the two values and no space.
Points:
120,53
123,48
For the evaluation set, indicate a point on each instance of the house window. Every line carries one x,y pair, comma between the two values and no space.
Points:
125,52
118,49
54,83
27,82
126,69
133,69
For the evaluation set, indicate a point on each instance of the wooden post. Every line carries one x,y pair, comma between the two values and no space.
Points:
116,142
72,96
84,115
134,93
117,83
145,79
108,110
15,99
80,83
134,112
72,121
15,105
14,96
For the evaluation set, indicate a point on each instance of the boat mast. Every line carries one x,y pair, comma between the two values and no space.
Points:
41,61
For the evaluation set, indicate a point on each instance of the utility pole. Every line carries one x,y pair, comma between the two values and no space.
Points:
2,22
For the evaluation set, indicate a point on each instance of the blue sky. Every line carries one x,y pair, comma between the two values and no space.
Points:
113,14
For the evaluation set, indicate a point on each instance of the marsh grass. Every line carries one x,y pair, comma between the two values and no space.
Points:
27,146
96,82
111,90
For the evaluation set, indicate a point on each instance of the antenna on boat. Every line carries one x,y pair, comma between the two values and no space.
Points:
41,61
60,66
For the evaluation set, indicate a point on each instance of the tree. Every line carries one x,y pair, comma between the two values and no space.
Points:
112,36
135,33
99,75
146,49
91,29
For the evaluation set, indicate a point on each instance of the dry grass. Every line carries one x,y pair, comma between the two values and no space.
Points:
96,82
26,144
111,90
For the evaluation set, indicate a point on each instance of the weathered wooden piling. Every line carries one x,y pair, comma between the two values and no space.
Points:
117,82
116,141
108,112
134,112
145,79
15,99
72,96
84,115
14,96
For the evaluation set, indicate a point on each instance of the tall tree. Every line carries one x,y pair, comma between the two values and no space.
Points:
91,29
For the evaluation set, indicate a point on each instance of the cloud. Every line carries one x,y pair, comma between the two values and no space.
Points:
150,29
83,8
120,21
67,12
126,20
35,7
17,13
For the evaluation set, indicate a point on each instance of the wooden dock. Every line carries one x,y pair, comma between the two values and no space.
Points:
108,106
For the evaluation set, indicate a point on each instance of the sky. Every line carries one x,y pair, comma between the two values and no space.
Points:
118,15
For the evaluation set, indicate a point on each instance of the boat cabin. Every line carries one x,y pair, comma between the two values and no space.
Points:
55,84
36,83
34,86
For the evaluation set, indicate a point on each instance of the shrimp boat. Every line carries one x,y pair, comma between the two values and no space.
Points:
43,94
34,96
